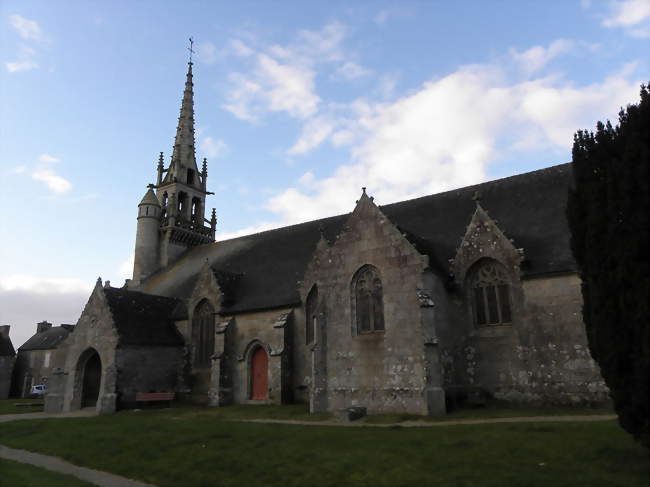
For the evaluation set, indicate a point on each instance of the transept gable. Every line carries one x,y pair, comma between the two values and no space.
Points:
368,222
206,287
96,322
484,239
367,236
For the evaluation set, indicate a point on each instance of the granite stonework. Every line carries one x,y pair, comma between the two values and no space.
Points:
390,370
395,321
131,361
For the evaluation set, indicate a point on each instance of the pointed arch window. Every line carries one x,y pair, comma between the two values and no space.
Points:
490,293
367,294
203,333
311,315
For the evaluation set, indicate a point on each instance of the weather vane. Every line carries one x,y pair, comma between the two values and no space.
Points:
190,48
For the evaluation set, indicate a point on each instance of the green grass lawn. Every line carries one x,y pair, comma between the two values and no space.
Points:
195,447
8,406
16,474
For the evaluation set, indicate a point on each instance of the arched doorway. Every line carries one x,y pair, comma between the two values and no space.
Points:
92,378
259,374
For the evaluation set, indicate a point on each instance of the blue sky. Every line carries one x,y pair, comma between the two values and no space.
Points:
298,105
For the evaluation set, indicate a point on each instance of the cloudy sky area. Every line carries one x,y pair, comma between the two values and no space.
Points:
298,105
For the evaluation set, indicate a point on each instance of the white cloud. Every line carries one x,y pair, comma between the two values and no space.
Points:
239,48
260,227
322,45
54,182
27,29
212,147
125,268
350,70
626,13
46,158
291,87
535,58
25,300
44,285
242,96
447,133
14,67
282,77
387,14
274,87
314,132
206,52
18,169
25,60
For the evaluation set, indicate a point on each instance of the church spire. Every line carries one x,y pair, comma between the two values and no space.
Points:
183,155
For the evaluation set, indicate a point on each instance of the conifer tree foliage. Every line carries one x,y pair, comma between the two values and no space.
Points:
608,217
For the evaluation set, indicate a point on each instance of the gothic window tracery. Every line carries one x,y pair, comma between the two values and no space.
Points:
203,333
310,314
490,293
368,298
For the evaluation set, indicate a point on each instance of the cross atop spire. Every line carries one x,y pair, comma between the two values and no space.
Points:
190,49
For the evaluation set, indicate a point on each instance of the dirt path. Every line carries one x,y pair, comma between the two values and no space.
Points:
4,418
412,424
55,464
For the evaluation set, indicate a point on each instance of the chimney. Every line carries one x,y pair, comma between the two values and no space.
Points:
4,331
43,326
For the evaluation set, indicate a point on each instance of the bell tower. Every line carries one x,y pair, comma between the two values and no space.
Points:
180,190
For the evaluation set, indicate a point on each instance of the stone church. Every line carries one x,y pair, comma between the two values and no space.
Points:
418,307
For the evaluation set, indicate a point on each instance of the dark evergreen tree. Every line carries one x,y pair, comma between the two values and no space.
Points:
608,217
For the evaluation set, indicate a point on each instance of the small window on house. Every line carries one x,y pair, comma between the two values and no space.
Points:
367,294
310,314
490,293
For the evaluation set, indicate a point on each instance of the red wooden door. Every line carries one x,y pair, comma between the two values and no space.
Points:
259,374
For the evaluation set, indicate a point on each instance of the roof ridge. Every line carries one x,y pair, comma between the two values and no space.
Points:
473,186
491,181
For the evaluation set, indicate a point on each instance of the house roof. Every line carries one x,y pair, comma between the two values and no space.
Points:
529,208
6,347
143,319
46,340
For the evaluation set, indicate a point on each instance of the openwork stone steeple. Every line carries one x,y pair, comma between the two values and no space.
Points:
177,222
184,152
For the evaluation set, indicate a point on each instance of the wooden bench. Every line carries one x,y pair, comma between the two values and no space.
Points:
154,396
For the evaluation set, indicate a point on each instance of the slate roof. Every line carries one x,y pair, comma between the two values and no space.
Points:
529,208
6,347
143,319
46,340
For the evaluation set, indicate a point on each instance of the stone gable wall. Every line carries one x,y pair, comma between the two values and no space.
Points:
94,330
382,371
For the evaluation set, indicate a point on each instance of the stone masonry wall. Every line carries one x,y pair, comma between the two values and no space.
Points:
543,358
94,331
382,371
249,330
146,369
6,372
